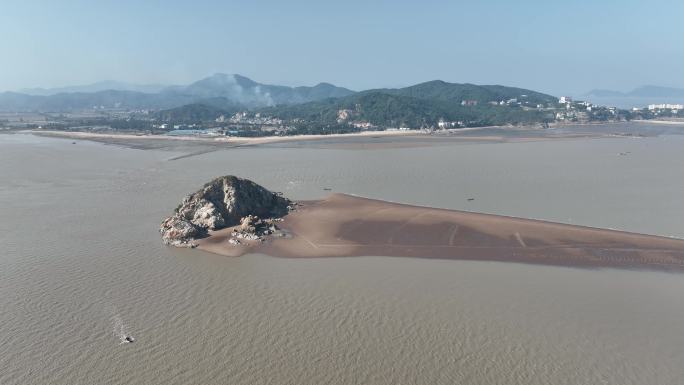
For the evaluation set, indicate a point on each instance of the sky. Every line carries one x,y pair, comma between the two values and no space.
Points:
560,47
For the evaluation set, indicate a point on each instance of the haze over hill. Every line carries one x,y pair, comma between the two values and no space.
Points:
638,97
425,104
212,103
220,94
220,90
249,93
95,87
642,92
419,105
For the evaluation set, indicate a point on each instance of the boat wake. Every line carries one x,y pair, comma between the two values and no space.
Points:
120,329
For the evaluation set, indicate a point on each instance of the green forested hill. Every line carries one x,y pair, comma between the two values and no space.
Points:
192,113
455,92
424,105
421,105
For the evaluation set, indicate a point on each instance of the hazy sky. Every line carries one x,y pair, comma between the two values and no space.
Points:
560,47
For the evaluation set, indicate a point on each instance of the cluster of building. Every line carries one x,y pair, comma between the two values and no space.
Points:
673,107
569,103
565,100
583,111
443,124
245,117
521,101
363,125
571,116
509,102
169,126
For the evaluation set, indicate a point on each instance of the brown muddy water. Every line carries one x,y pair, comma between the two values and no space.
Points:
81,265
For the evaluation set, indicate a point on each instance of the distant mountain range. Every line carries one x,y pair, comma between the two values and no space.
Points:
95,87
219,90
322,105
249,93
639,97
414,106
641,92
225,92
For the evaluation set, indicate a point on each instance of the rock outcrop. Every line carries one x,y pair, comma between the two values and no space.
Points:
224,202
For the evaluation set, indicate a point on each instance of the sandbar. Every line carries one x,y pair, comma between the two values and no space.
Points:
348,226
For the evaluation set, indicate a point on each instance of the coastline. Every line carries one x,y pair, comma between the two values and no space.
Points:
667,122
243,141
489,133
348,226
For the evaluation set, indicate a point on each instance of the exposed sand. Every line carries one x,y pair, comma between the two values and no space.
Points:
344,225
356,139
222,139
367,140
675,121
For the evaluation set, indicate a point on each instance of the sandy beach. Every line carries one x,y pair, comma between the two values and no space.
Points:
245,141
473,134
344,226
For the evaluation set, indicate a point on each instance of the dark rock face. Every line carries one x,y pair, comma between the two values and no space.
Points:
221,203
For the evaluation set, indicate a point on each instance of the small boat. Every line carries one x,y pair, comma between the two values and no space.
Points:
129,339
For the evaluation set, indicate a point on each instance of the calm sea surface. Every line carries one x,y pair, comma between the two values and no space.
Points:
81,263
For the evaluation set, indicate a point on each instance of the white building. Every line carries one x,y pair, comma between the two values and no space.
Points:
444,124
565,99
665,106
362,125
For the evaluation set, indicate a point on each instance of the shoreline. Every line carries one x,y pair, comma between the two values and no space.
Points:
667,122
348,226
243,141
535,131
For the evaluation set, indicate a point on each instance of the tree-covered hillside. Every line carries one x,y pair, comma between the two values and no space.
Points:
192,113
425,105
456,93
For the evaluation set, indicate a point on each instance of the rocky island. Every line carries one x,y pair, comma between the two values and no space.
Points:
248,209
233,216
